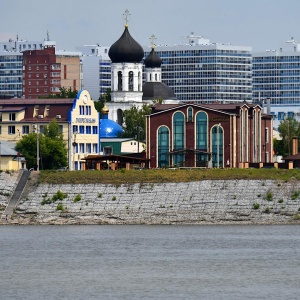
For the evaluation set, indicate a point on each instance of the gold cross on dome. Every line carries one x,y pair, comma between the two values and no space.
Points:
126,14
152,39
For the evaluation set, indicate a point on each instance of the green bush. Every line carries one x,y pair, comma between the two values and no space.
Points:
99,195
256,205
280,201
114,198
267,210
269,196
60,206
295,195
77,198
58,196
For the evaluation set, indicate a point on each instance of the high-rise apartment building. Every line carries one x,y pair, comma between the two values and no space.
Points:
276,77
11,68
207,72
96,69
46,71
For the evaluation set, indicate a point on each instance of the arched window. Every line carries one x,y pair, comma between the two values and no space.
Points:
120,116
163,147
150,77
155,77
178,138
119,81
201,139
130,81
217,146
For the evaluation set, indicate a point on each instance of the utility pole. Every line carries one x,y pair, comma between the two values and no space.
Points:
37,151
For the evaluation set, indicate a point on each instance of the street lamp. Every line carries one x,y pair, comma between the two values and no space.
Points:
37,151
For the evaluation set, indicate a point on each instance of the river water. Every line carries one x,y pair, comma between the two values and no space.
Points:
150,262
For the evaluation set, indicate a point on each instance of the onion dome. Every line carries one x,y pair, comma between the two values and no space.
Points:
152,60
109,129
156,90
126,49
105,110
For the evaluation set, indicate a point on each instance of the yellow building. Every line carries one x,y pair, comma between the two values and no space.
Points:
78,120
10,159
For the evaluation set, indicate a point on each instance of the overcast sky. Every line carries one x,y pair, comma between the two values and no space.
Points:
261,24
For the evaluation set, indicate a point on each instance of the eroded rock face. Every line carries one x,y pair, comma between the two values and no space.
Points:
203,202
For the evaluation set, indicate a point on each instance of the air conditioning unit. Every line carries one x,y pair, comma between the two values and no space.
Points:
58,116
34,126
40,116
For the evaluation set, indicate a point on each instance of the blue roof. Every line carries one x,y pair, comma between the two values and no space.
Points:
109,129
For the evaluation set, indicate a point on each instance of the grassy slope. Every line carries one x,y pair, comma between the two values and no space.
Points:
163,175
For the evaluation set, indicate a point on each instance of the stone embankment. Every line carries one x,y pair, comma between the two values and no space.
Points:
202,202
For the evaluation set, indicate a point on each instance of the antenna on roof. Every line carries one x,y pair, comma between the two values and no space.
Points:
48,35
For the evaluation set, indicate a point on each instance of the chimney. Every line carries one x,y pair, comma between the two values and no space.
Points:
295,145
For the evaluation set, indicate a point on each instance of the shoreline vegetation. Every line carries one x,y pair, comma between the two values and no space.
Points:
164,175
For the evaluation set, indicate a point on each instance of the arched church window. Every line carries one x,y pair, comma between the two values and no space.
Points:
120,81
217,146
163,145
201,139
120,116
130,81
178,138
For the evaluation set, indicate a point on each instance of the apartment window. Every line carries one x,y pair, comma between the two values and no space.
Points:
89,148
81,129
0,129
81,109
11,129
281,116
75,129
94,148
60,128
25,129
45,67
81,148
95,130
12,117
88,130
37,68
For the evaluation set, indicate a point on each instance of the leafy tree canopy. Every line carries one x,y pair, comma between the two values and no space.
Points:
288,129
53,151
135,121
64,93
102,99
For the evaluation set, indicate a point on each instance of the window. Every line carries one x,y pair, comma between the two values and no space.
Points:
89,148
107,150
75,129
60,128
178,137
88,130
12,117
163,147
217,146
81,109
42,128
130,81
81,148
190,114
88,110
267,135
95,130
25,129
95,147
280,116
0,129
119,81
11,129
81,129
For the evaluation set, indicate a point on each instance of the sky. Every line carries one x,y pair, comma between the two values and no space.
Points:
260,24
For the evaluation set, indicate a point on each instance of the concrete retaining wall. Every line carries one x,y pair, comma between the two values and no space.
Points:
203,202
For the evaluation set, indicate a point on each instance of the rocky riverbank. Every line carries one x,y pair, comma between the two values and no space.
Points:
201,202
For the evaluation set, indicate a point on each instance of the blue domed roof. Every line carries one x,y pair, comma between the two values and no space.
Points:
109,129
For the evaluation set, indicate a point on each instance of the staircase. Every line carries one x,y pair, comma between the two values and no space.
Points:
17,193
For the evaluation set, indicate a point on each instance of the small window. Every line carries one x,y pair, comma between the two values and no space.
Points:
88,129
0,129
25,129
75,129
81,129
281,116
107,150
267,135
95,130
81,148
12,117
11,129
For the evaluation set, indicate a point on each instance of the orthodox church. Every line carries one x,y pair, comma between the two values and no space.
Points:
127,87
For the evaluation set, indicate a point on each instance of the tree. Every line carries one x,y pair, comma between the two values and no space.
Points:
53,151
135,121
64,93
102,100
288,129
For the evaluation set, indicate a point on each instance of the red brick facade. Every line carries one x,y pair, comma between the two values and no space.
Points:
241,133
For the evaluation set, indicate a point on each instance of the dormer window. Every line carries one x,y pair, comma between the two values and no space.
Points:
12,117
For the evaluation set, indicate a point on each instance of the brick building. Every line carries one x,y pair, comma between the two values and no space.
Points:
45,71
211,135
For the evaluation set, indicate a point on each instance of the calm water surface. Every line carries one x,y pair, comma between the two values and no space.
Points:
150,262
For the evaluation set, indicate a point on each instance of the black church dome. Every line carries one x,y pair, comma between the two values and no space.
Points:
126,49
152,60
